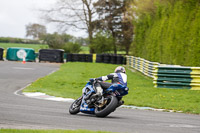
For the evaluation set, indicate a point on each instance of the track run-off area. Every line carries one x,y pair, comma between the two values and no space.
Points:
21,112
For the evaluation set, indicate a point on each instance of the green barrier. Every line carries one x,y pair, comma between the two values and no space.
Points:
17,54
167,76
177,77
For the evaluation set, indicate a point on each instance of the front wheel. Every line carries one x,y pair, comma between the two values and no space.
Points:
109,107
75,106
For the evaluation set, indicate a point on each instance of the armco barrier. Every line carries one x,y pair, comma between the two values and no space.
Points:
51,55
177,77
144,66
1,53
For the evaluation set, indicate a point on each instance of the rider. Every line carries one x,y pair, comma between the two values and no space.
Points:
118,77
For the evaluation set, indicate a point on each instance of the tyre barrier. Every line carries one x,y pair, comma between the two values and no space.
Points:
1,53
144,66
106,58
18,54
110,58
177,77
51,55
99,58
113,59
79,58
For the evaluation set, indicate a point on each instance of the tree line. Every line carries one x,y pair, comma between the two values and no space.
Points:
168,31
165,31
106,22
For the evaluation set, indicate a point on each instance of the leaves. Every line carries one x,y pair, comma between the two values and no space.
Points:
171,34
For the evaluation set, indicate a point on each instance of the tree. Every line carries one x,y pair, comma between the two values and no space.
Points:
75,14
127,26
71,47
114,18
55,41
35,30
102,42
109,12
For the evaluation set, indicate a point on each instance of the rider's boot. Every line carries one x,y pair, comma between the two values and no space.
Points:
99,93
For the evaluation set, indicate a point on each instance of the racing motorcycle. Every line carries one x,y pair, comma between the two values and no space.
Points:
101,106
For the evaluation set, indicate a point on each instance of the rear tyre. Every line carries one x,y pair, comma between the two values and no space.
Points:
110,106
75,106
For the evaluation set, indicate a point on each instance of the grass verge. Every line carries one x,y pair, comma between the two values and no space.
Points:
71,78
48,131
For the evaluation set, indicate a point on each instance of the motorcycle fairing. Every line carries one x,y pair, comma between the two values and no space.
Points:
120,90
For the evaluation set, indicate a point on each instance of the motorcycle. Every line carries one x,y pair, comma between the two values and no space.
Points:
101,106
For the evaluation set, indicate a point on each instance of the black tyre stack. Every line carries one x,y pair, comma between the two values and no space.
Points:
75,57
110,58
120,59
1,53
69,57
82,57
51,55
79,58
89,58
99,58
106,58
113,59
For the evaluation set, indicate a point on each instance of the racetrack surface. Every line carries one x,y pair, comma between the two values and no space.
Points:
17,111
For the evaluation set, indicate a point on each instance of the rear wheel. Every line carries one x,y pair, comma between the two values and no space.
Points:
75,106
109,107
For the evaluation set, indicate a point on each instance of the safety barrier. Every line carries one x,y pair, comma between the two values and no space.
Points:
51,55
177,77
1,53
19,54
110,58
144,66
79,57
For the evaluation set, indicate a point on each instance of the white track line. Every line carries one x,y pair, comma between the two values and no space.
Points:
43,96
23,68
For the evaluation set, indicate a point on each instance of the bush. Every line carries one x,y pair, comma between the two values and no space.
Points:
71,47
171,35
102,42
55,41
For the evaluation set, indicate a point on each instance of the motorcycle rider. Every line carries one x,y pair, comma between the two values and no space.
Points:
118,77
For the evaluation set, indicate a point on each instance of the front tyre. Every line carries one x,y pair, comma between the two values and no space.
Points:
110,106
75,106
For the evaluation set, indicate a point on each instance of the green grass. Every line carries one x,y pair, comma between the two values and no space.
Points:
36,47
48,131
71,78
84,50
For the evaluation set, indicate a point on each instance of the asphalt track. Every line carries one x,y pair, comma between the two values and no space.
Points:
21,112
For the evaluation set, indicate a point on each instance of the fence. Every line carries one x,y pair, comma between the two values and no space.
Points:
1,53
167,76
177,77
142,65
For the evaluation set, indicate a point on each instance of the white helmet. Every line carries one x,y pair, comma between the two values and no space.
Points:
120,69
